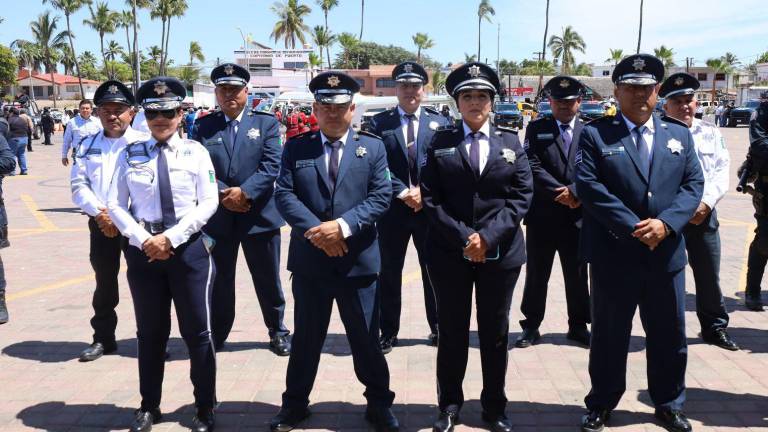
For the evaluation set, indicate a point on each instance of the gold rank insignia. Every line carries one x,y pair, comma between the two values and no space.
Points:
474,71
565,83
360,151
333,81
160,88
112,89
408,68
229,69
679,81
638,64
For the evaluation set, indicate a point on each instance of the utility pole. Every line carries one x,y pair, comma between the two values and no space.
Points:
498,46
539,57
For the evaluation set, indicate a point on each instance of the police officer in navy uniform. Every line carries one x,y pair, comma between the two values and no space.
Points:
639,182
406,130
702,235
554,220
332,189
163,192
245,149
476,188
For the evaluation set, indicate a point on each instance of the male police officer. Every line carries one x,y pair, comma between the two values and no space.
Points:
702,238
332,189
554,220
406,131
639,182
92,171
758,159
245,149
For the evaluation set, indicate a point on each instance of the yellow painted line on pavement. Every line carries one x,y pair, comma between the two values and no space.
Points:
50,287
42,219
745,265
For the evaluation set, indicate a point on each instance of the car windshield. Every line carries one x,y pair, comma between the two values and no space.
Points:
544,106
591,106
752,104
506,107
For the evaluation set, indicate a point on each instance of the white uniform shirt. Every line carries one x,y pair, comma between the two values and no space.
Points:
93,169
648,134
485,148
345,230
77,129
404,130
140,122
193,185
714,158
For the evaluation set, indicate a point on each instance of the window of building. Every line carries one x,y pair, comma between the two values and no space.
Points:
260,69
50,90
360,82
701,76
606,73
385,83
719,77
295,65
38,91
72,88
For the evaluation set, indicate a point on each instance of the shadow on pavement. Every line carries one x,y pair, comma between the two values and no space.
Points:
707,407
73,210
63,351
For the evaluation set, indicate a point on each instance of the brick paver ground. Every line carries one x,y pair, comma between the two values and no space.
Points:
44,387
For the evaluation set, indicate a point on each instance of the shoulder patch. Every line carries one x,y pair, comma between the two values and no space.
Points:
447,129
599,120
369,134
673,120
506,129
266,113
431,110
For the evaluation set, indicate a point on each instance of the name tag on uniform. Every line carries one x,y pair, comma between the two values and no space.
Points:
545,136
612,151
445,152
93,151
305,163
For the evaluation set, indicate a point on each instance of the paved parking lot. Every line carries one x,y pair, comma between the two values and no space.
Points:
44,387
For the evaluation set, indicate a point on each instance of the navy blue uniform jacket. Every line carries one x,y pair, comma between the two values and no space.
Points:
305,199
253,166
458,203
616,195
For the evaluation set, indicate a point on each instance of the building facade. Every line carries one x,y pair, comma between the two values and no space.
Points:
40,86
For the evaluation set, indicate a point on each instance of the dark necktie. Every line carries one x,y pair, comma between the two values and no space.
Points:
164,182
474,152
566,137
333,162
232,133
412,150
641,150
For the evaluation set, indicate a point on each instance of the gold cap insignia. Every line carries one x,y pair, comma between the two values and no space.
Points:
229,69
638,64
160,88
112,89
679,81
565,83
474,71
333,81
408,68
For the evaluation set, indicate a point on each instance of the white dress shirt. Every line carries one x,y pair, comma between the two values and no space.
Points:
135,195
404,130
77,129
571,124
345,230
485,149
239,119
647,135
94,166
714,158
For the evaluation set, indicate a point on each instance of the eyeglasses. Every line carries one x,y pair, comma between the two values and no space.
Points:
152,114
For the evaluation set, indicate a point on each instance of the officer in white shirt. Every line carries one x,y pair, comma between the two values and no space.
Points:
163,192
91,174
702,238
79,127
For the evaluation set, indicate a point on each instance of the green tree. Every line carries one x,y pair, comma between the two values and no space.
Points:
103,21
178,9
616,56
189,74
762,58
422,42
136,56
470,58
112,51
166,10
508,67
348,43
195,52
69,7
437,82
326,6
323,39
8,67
484,12
364,54
290,23
50,41
719,66
666,55
28,53
537,67
583,69
563,47
67,59
88,68
730,59
153,62
119,71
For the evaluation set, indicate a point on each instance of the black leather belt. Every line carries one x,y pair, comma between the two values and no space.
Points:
153,227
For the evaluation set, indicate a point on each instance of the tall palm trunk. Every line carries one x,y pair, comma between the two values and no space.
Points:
362,17
165,51
543,48
136,64
162,45
128,48
103,55
327,47
640,30
53,83
479,21
74,57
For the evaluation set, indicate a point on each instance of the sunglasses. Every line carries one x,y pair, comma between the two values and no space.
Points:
168,114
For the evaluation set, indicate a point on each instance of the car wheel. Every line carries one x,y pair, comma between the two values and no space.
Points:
37,133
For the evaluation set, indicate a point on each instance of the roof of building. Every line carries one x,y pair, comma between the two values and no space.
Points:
58,79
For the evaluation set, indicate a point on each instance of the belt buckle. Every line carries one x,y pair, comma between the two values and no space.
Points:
153,227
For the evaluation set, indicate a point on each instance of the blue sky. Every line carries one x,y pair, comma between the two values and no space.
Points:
693,28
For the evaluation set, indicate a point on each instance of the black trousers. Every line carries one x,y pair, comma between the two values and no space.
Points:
393,242
356,299
262,254
453,281
185,278
47,136
105,260
758,257
617,291
542,241
703,245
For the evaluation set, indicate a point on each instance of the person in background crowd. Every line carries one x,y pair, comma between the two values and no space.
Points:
79,127
23,114
47,124
19,133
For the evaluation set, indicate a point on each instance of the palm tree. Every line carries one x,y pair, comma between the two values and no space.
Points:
437,81
666,55
50,42
730,59
616,56
582,69
125,21
290,24
67,60
640,29
484,11
322,38
362,17
348,43
719,65
544,46
103,21
110,53
69,7
195,52
469,58
422,41
155,55
178,9
165,10
29,54
563,47
326,6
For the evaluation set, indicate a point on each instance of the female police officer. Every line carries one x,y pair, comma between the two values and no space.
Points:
476,187
171,187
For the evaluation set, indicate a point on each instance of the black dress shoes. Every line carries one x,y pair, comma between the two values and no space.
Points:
95,351
143,420
204,420
579,334
720,338
387,342
447,419
382,419
673,420
432,338
528,338
754,304
287,419
499,423
280,346
595,420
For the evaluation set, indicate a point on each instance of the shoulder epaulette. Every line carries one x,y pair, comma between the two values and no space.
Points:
446,129
601,120
266,113
368,134
500,129
431,110
673,120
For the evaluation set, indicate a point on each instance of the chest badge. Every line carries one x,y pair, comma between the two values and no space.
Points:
433,125
508,155
360,151
675,146
254,133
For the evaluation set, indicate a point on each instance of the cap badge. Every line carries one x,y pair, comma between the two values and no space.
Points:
229,69
408,68
160,88
679,81
638,64
112,89
360,151
333,81
254,133
565,83
474,71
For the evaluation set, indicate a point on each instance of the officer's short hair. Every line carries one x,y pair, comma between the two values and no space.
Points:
85,102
